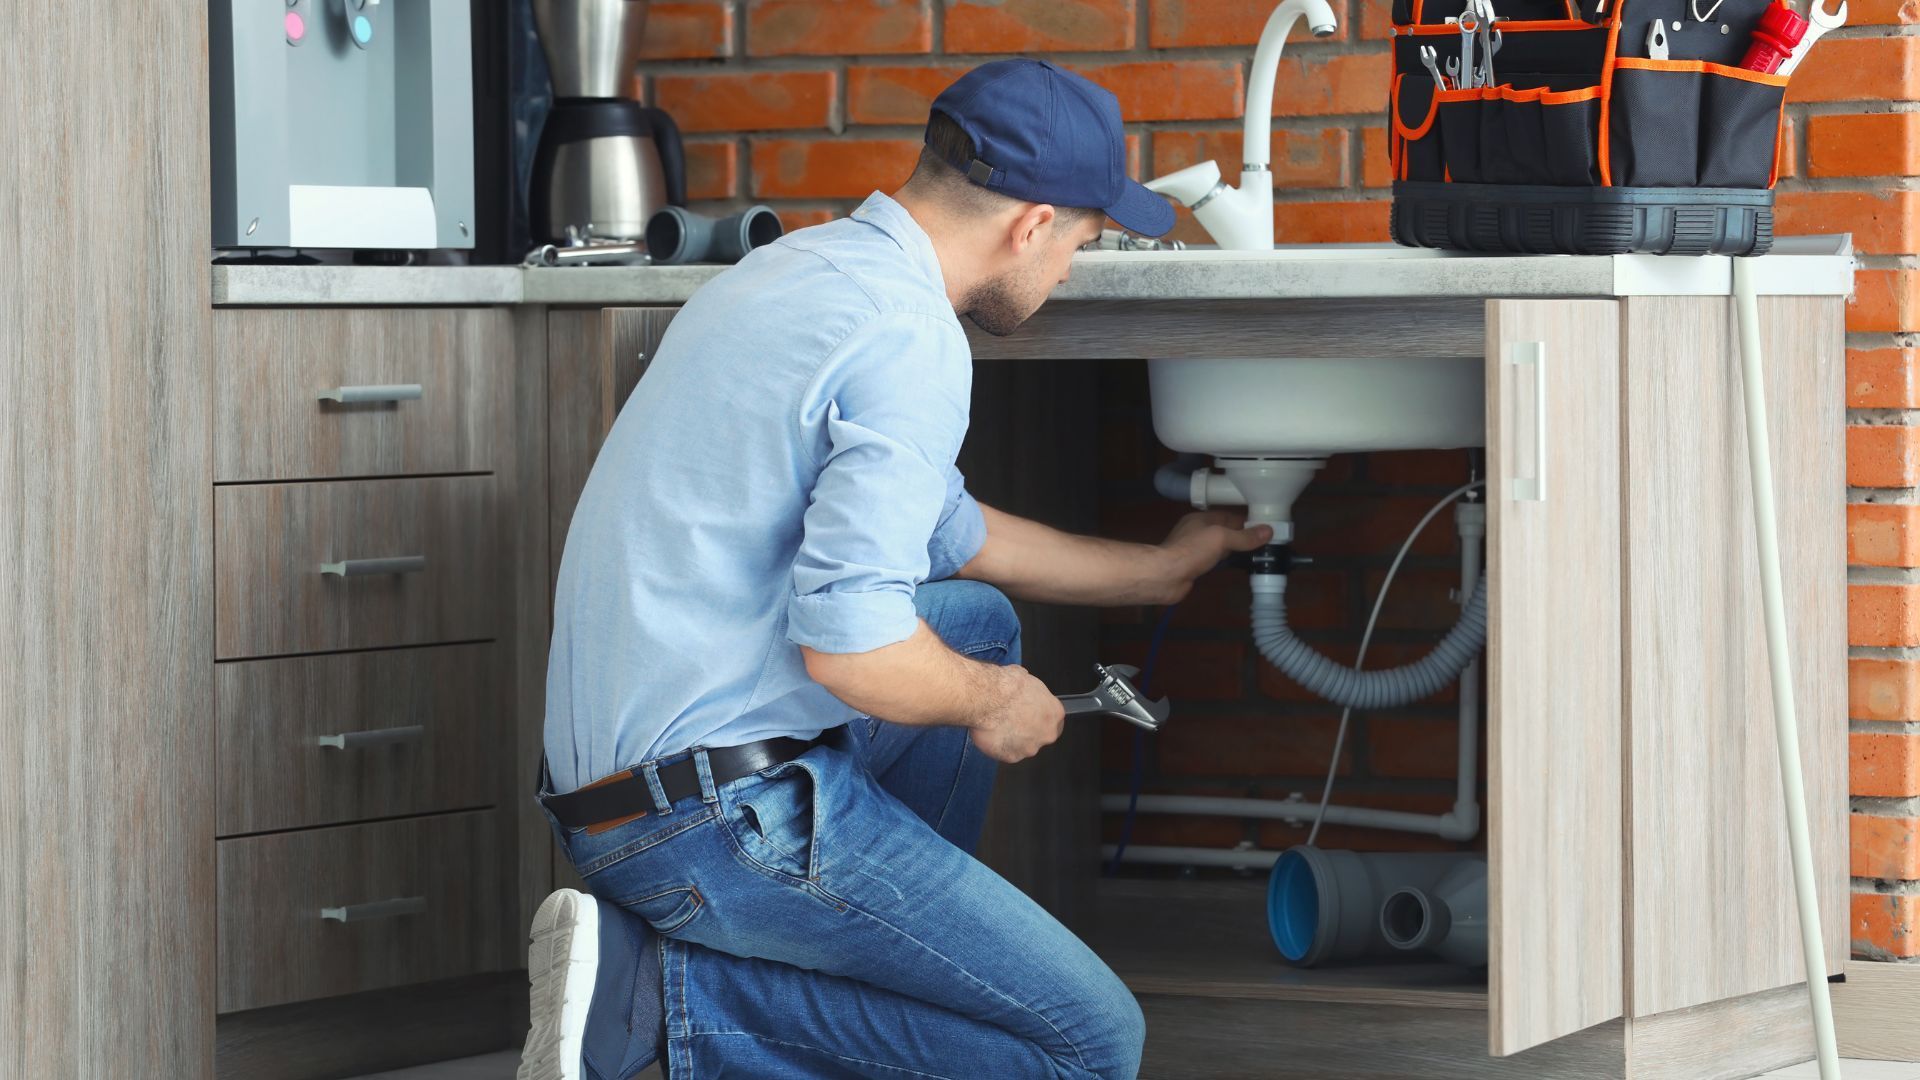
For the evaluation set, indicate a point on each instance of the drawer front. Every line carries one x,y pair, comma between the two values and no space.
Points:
408,562
321,740
421,899
271,369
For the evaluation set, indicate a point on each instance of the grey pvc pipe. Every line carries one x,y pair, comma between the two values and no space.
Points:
1381,689
1448,919
1174,480
676,235
1324,906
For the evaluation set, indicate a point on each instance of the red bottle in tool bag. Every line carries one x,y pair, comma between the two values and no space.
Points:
1591,127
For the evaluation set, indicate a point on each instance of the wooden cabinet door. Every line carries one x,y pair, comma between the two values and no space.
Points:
1554,838
594,360
1710,902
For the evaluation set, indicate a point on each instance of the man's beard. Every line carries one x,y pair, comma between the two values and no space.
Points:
994,306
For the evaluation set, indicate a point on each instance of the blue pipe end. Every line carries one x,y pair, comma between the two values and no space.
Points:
1293,906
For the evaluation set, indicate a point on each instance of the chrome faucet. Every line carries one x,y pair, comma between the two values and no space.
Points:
1241,218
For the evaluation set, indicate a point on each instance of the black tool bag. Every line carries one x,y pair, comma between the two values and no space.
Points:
1582,144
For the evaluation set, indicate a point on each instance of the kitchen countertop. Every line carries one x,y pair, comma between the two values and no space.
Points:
1799,266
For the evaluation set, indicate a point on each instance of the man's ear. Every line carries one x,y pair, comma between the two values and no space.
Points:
1031,226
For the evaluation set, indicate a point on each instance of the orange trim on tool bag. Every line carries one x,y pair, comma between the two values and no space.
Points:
1606,92
1773,174
1517,25
1433,109
1537,94
1700,67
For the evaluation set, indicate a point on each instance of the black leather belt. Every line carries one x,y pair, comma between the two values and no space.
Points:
626,794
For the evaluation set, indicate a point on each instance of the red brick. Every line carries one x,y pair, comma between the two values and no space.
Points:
1884,301
1341,523
1883,689
830,168
896,94
1333,85
1882,534
1376,19
1883,144
1171,89
1883,927
1883,615
1413,747
1419,600
1219,601
688,31
1885,222
1330,222
1883,12
1265,744
793,220
1182,24
713,170
1884,764
1376,167
1192,670
1017,26
1440,469
1300,158
1175,830
841,28
1884,847
757,101
1882,378
1859,69
1883,455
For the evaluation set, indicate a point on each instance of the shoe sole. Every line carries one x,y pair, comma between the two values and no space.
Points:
561,963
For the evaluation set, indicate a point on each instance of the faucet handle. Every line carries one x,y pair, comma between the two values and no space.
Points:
1188,186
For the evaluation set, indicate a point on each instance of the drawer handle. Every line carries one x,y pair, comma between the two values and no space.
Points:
355,740
355,395
378,909
397,564
1533,488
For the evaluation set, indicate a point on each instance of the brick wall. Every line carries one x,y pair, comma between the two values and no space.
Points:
810,104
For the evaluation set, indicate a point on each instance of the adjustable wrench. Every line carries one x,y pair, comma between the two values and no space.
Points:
1819,21
1116,696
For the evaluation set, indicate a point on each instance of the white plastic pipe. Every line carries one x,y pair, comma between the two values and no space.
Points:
1786,728
1298,811
1232,858
1470,520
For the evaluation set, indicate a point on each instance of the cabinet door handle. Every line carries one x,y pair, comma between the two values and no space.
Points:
396,564
378,909
355,740
1533,354
355,395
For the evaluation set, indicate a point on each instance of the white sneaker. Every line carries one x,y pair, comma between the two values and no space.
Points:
560,970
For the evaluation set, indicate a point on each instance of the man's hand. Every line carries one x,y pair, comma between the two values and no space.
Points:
1197,544
1026,717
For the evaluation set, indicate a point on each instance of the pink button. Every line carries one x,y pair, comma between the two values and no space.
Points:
296,26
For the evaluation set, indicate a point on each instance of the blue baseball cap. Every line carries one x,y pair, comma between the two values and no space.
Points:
1046,135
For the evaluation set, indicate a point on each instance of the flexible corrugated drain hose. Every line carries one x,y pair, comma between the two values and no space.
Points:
1383,689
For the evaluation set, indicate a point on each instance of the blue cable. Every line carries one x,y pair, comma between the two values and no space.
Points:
1140,737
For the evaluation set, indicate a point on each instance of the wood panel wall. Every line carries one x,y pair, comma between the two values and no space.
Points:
106,619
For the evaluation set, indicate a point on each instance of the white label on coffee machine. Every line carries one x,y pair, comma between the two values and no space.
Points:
332,216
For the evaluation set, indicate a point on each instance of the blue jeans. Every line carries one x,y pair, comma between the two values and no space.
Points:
825,918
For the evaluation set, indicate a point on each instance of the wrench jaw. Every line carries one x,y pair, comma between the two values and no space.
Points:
1116,696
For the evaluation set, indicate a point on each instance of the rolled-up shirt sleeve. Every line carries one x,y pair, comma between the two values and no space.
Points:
885,417
961,534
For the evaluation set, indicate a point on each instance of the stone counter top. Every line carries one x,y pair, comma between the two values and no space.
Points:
1799,266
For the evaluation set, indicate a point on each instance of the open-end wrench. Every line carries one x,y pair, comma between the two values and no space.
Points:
1819,21
1116,696
1430,59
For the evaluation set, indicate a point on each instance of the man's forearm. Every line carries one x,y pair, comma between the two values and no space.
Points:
917,681
1031,561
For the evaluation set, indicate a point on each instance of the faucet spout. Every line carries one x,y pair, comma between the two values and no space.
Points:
1257,151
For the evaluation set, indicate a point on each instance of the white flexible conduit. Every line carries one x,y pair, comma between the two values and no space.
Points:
1383,689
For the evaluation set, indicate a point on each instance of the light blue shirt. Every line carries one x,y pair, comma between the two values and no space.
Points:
782,476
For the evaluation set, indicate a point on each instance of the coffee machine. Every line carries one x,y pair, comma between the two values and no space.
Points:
605,162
